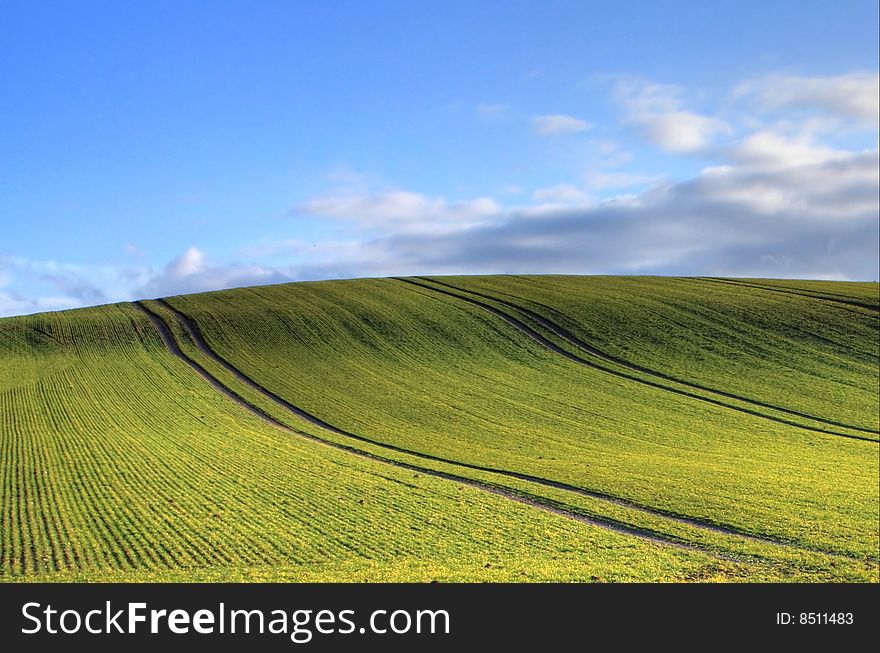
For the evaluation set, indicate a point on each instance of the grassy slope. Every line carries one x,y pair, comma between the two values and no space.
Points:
438,376
411,368
765,560
766,345
118,463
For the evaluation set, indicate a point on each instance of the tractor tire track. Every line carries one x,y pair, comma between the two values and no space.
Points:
524,498
584,346
791,291
541,340
195,335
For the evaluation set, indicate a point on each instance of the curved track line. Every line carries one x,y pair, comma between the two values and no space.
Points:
580,344
196,336
168,340
791,291
537,337
806,292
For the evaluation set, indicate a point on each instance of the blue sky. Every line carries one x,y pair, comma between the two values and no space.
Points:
151,148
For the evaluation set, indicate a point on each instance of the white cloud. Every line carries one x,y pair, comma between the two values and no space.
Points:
191,262
656,111
641,97
600,179
562,195
190,273
854,96
681,131
402,210
559,124
768,149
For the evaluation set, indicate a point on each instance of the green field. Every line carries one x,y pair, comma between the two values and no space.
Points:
501,428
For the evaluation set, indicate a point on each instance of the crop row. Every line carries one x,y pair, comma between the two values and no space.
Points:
556,338
125,461
435,377
790,350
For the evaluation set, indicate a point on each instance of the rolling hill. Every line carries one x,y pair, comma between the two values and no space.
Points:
502,428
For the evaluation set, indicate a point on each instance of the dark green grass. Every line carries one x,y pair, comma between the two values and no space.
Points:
120,463
441,377
795,351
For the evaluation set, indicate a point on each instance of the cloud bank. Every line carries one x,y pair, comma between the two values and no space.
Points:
779,198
